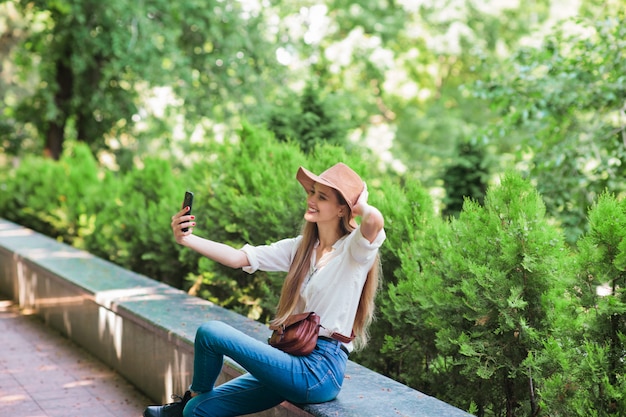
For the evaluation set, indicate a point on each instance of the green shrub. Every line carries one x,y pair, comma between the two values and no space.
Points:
54,198
132,227
586,358
473,302
312,123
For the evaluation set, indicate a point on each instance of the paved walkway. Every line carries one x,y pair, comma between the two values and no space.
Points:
43,374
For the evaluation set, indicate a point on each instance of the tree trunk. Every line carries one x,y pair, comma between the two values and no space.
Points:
54,140
55,134
511,401
534,407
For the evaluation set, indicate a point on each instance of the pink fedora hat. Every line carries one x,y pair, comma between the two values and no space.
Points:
340,177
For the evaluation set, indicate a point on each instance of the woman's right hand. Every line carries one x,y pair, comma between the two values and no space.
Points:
219,252
180,221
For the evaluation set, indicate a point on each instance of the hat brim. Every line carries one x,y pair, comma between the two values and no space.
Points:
307,179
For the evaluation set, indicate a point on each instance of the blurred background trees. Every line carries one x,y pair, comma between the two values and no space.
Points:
492,135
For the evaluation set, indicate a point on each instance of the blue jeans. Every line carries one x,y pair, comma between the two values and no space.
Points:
273,375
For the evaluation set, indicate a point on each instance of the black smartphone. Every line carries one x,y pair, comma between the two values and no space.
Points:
187,202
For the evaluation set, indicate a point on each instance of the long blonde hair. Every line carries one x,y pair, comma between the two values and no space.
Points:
290,293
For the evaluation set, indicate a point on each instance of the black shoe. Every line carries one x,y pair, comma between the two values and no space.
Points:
174,409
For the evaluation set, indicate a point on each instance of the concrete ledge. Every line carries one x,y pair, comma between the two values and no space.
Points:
144,329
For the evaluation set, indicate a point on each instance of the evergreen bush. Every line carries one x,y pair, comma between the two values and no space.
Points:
473,302
311,123
54,198
587,357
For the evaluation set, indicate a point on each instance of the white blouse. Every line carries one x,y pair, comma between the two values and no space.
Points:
333,286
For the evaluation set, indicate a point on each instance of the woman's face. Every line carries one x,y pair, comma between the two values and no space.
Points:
323,205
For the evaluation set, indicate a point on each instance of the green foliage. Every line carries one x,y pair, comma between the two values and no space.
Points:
476,303
82,62
310,125
563,103
582,362
54,198
97,69
225,60
467,177
603,315
162,77
95,64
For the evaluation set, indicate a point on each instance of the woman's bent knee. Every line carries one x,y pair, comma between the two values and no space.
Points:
211,328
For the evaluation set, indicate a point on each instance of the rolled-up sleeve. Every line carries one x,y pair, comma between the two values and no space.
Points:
275,257
364,251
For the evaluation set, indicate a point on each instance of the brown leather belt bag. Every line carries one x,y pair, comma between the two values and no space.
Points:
298,335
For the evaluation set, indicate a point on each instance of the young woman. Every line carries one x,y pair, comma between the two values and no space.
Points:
332,269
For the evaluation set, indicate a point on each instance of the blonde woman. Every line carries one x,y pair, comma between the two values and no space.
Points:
332,269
